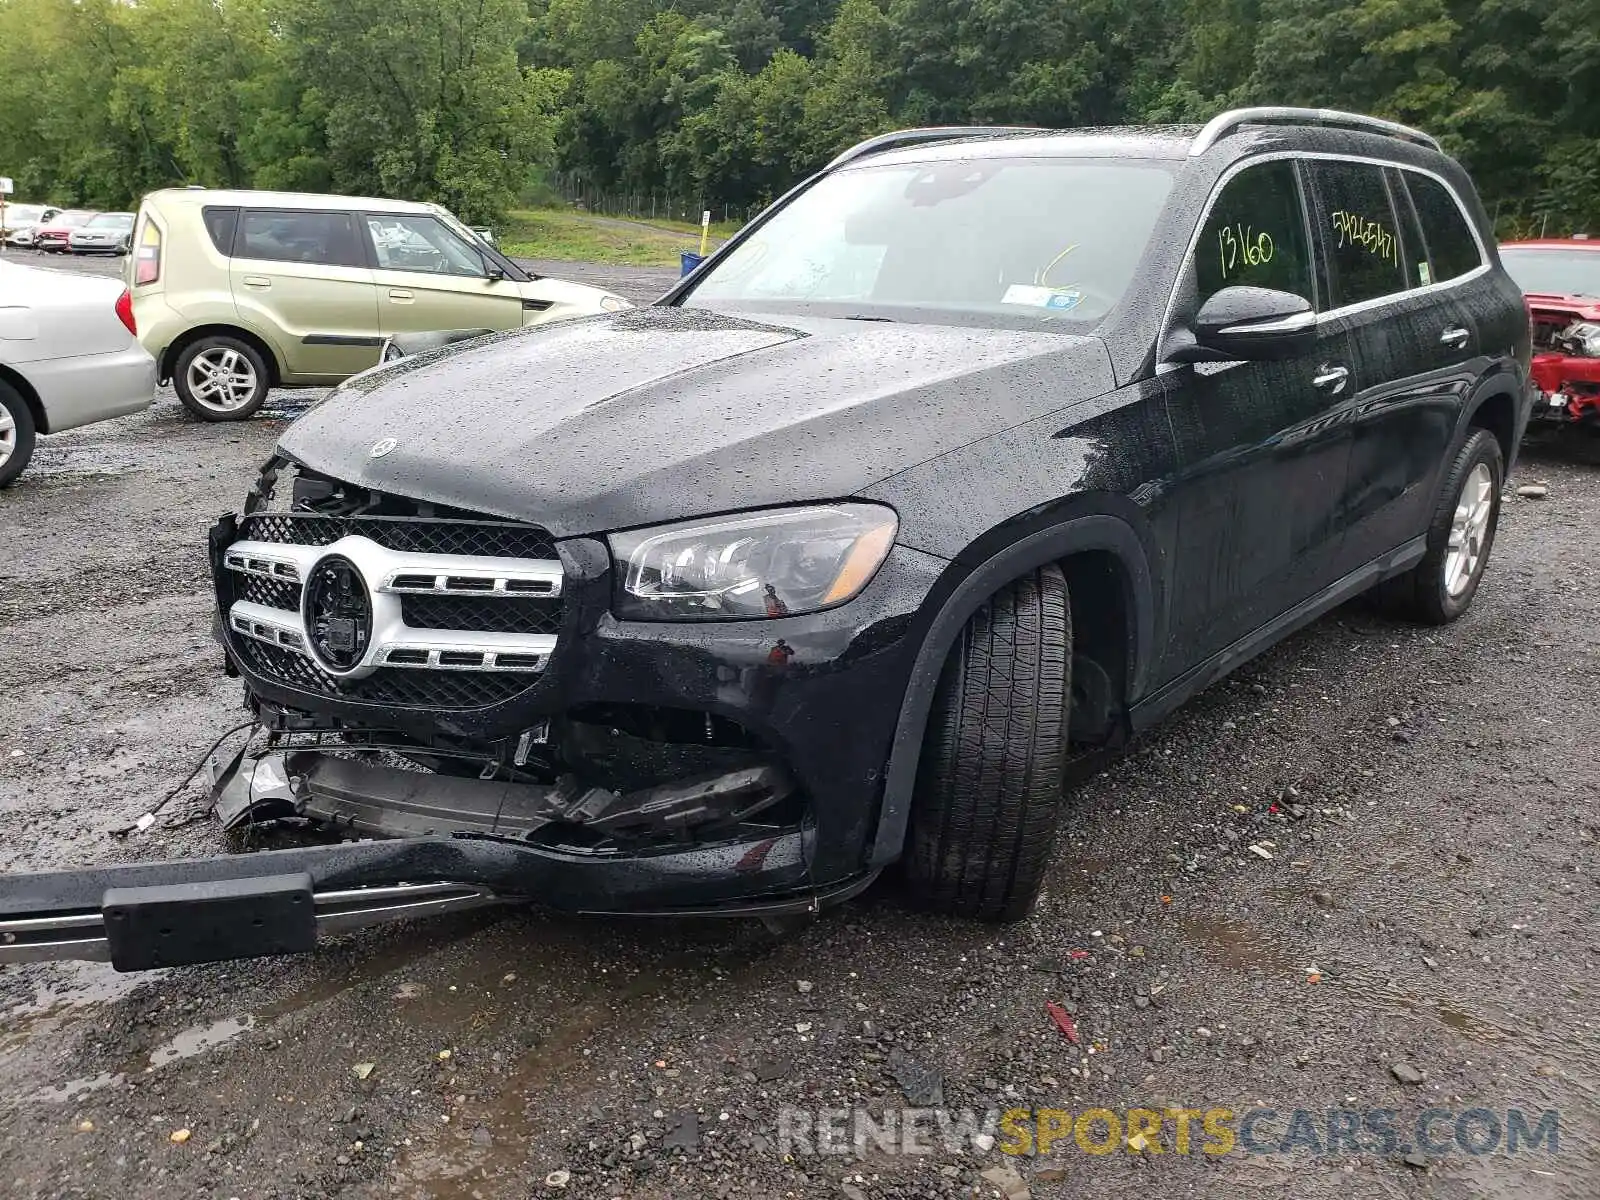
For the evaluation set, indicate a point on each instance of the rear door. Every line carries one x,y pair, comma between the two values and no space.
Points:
429,278
1412,345
300,276
1257,516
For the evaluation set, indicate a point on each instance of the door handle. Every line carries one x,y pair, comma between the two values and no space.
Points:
259,282
1455,337
401,295
1331,377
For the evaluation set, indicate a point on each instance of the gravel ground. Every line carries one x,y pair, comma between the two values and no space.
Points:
1357,874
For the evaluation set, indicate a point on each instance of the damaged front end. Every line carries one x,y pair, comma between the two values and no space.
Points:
1566,364
445,702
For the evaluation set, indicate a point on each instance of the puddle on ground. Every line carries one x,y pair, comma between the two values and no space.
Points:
74,1088
1238,946
69,986
457,1165
200,1039
89,460
190,1042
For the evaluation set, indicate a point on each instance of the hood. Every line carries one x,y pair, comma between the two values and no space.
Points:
663,413
1582,308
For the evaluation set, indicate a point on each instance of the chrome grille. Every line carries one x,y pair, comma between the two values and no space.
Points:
461,614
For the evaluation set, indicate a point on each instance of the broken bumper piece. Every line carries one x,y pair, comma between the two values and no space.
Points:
388,801
447,844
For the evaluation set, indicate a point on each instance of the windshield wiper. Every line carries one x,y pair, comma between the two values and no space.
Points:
864,317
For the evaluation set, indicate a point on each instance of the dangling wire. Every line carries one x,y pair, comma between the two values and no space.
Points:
149,818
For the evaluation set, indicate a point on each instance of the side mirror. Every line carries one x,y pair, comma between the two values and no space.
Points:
493,271
1251,323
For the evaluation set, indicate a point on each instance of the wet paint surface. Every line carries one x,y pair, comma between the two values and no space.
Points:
1467,845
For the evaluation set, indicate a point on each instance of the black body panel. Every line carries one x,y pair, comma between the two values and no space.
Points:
1223,504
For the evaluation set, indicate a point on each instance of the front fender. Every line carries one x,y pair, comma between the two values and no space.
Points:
1091,532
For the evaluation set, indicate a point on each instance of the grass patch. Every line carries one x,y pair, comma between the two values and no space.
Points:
586,237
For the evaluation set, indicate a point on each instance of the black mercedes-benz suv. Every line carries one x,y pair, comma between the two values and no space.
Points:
979,451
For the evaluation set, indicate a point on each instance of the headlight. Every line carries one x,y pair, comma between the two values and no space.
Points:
1581,338
776,563
614,303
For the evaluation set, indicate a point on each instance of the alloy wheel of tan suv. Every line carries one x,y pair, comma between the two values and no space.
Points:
221,379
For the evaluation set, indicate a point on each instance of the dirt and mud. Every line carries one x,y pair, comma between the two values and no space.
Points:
1357,875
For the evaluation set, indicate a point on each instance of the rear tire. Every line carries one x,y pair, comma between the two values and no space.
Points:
989,784
221,379
17,435
1440,588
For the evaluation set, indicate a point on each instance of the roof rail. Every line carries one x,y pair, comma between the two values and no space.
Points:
1225,123
929,133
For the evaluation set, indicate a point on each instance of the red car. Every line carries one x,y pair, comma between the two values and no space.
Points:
1561,279
51,237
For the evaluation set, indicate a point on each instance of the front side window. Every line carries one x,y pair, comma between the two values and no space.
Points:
413,243
285,235
1452,250
983,241
1255,235
1358,230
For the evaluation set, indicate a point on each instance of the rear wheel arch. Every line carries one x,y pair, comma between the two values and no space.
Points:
1496,411
170,356
1103,557
41,423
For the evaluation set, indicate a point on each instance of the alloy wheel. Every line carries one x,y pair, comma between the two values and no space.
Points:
221,379
1469,530
8,435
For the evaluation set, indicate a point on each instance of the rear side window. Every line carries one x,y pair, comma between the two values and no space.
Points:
1413,246
220,224
284,235
1359,231
1255,234
1452,249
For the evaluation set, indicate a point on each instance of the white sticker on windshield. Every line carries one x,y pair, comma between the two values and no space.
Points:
1060,299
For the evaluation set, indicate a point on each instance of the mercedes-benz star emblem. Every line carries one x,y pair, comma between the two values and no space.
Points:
379,449
337,613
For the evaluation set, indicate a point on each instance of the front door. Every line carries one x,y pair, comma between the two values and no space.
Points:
1413,347
431,278
1255,518
301,277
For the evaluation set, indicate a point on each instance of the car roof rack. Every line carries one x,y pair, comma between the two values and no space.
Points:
928,133
1225,123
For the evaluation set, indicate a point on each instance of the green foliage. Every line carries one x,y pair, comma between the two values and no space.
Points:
480,104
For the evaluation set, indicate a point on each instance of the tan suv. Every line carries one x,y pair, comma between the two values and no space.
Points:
238,292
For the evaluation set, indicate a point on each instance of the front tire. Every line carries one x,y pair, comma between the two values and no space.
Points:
221,379
1440,588
17,435
989,784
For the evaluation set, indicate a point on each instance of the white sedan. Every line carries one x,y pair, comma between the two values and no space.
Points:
68,356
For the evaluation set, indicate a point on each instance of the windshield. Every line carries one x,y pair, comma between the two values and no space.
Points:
1554,272
110,221
990,241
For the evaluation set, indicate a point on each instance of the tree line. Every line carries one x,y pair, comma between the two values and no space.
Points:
473,102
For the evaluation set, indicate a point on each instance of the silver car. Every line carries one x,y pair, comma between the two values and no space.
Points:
68,357
19,220
104,233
